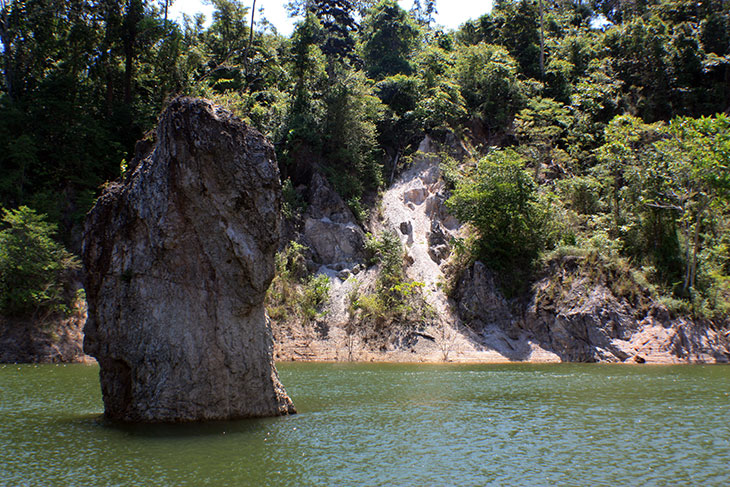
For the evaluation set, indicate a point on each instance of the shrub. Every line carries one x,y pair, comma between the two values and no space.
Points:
292,203
32,265
295,294
500,200
397,300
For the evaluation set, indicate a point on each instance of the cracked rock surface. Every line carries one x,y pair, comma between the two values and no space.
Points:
178,259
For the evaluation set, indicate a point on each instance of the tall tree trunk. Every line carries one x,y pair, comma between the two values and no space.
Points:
128,67
687,251
695,246
129,40
248,46
109,89
704,205
542,44
7,47
727,89
617,183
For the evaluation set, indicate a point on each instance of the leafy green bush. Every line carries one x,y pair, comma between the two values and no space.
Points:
295,294
32,265
500,200
292,202
487,75
397,301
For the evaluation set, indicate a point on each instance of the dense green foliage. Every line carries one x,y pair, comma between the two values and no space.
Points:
597,123
32,266
294,294
499,199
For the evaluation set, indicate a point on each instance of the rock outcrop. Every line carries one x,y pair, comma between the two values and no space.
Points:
178,259
330,229
585,316
580,310
56,339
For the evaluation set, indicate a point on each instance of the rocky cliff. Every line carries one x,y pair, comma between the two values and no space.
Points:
178,259
580,309
584,310
55,339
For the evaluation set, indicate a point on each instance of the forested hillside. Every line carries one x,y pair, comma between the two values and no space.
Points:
596,129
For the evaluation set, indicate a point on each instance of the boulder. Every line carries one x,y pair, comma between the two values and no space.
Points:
330,231
415,195
438,244
406,228
177,261
480,303
324,202
333,242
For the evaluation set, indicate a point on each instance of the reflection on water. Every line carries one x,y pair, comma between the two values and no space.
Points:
384,424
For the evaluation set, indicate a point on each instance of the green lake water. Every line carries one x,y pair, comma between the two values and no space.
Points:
386,424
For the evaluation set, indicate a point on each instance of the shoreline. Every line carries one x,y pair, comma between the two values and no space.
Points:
398,358
90,361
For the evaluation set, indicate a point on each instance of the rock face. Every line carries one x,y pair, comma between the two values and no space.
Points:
330,229
178,260
56,340
583,319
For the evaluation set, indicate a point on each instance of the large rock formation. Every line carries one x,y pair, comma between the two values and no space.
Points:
178,260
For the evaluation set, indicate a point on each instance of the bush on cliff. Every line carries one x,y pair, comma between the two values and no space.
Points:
295,294
500,200
32,266
397,302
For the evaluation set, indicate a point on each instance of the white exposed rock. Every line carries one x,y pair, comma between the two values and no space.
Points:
415,195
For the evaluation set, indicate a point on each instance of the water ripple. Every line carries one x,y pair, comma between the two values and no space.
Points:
389,425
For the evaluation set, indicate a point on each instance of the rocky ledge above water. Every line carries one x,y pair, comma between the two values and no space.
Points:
584,310
54,339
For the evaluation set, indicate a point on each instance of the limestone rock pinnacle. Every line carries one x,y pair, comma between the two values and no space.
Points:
178,259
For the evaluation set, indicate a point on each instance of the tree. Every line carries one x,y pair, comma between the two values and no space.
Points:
306,111
166,4
487,75
337,18
338,23
332,116
697,180
226,41
664,179
6,41
352,112
516,26
32,265
389,39
539,126
134,13
500,200
629,144
639,52
424,14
